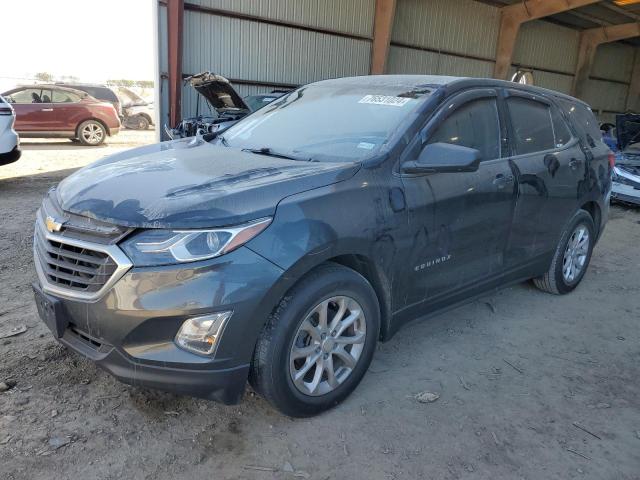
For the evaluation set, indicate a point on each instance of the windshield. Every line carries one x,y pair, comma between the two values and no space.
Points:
256,102
327,122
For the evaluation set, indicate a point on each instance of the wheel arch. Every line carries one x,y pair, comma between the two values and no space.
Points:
593,209
357,262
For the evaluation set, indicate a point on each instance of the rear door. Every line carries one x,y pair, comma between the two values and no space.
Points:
67,109
549,168
458,222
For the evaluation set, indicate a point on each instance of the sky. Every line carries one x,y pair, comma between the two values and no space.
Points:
93,40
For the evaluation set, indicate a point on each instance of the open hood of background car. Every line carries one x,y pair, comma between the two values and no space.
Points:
217,90
627,129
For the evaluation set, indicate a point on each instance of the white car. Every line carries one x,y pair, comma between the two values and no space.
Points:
137,112
9,140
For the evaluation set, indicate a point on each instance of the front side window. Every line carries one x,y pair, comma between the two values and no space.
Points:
475,125
532,125
28,95
331,122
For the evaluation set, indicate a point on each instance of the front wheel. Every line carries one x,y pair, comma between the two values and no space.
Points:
317,345
139,122
91,133
571,258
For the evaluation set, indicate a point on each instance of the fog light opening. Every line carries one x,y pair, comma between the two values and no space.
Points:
201,335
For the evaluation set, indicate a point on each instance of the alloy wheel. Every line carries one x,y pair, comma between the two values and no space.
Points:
575,254
327,346
92,133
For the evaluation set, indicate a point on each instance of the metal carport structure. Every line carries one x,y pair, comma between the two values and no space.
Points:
583,47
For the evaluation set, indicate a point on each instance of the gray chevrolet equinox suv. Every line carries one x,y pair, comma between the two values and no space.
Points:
281,250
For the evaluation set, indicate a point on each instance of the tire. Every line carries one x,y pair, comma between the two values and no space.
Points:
91,133
139,122
556,280
287,333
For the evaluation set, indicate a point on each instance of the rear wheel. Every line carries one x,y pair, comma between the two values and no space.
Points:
317,345
571,258
92,133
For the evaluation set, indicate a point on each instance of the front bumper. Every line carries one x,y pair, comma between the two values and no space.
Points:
129,331
10,157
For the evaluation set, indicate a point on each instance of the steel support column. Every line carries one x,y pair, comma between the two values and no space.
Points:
175,24
633,95
382,27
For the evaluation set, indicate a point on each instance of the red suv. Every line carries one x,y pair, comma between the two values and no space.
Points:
60,112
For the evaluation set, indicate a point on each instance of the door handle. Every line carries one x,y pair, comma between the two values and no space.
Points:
47,110
574,163
502,180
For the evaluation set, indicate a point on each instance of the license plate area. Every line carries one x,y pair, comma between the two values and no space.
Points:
51,311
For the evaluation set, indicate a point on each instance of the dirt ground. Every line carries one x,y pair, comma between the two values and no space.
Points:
532,386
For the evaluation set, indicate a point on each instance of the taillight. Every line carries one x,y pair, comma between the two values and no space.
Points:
6,111
612,159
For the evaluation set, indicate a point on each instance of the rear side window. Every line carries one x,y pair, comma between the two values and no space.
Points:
475,125
99,93
532,125
62,96
584,120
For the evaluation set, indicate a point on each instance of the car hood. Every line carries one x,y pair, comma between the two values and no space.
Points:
218,91
627,129
189,183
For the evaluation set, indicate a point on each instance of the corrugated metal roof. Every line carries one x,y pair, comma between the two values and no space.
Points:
412,61
464,26
254,51
548,46
350,16
602,95
614,61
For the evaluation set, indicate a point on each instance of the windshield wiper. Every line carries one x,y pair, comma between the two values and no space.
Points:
272,153
223,140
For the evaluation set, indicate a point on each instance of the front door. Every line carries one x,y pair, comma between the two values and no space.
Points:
458,222
34,110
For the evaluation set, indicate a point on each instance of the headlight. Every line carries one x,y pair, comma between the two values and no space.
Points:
165,247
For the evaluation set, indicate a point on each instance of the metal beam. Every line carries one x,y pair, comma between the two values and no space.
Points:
512,16
382,27
175,24
620,10
633,94
589,41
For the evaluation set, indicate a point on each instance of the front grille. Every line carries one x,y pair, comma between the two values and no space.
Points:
73,267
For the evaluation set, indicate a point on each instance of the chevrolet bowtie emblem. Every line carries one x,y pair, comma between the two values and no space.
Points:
53,225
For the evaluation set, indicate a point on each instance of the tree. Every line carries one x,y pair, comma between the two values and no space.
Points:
122,82
44,77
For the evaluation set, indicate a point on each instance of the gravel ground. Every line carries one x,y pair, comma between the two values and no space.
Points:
531,385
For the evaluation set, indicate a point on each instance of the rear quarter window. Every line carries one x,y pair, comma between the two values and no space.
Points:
584,120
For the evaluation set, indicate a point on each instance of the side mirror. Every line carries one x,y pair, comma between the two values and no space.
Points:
444,158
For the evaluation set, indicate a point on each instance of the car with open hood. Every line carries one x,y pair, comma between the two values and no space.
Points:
281,250
224,105
626,175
